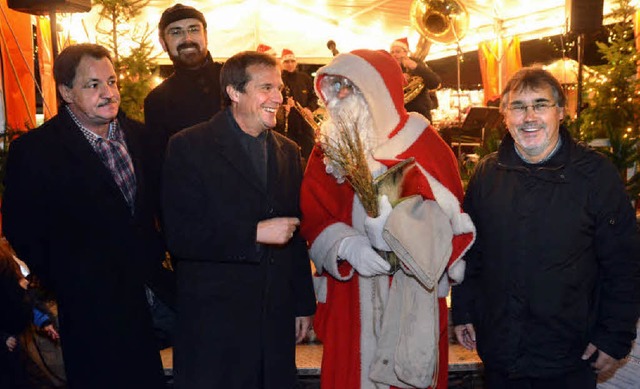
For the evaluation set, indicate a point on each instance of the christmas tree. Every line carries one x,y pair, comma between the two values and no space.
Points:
135,69
613,98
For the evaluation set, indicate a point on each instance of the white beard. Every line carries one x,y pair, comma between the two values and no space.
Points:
352,114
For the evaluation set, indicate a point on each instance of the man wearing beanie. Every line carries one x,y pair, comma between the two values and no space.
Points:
423,102
192,93
373,337
298,87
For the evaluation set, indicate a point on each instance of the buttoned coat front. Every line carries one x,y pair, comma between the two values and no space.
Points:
237,300
66,218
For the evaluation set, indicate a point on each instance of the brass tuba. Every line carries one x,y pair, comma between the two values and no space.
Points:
440,21
414,87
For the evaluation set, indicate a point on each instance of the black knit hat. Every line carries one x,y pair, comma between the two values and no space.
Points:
179,12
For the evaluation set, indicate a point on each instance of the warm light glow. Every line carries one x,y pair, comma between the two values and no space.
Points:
306,25
155,81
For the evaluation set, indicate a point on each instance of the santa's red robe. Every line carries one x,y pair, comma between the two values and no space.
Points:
332,212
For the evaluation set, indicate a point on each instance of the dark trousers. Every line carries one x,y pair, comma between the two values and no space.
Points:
584,378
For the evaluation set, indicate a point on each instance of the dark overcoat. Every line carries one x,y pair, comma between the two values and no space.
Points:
237,300
66,217
186,98
556,262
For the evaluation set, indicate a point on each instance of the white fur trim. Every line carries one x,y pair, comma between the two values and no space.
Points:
324,250
371,84
460,222
320,287
405,138
456,269
443,286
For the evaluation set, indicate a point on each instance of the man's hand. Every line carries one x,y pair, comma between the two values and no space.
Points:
278,230
603,363
307,112
303,325
51,332
11,342
466,335
409,63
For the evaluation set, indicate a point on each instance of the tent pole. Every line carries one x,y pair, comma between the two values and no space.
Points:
458,60
580,52
53,26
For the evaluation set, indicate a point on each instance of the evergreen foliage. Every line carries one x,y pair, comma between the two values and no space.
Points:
132,50
613,98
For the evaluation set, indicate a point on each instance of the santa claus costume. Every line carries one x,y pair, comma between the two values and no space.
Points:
349,304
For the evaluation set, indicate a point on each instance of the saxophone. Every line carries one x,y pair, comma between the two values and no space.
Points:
311,122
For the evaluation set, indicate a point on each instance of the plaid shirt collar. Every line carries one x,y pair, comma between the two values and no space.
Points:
114,133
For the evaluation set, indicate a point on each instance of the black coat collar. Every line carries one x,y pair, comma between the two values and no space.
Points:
230,147
77,145
507,155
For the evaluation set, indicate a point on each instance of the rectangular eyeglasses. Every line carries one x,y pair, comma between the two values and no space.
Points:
539,107
178,32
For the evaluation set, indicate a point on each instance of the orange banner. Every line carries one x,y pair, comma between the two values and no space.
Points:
499,60
45,60
636,29
16,42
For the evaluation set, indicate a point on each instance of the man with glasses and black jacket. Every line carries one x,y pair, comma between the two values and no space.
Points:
551,292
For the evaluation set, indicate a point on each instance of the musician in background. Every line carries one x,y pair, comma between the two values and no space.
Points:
262,48
423,102
298,88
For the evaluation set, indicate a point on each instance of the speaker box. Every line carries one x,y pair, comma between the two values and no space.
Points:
584,15
44,7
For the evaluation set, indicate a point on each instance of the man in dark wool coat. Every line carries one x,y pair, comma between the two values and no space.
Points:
231,211
75,209
192,93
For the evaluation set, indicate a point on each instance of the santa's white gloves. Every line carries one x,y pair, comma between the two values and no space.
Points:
374,225
358,252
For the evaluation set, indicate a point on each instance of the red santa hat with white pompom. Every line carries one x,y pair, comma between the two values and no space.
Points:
262,48
287,55
402,42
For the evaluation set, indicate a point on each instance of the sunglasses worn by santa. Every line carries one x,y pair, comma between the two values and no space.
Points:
333,86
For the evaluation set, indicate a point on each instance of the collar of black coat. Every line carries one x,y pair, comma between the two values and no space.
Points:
508,157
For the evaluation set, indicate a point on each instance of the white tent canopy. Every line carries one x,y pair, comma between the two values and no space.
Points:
305,26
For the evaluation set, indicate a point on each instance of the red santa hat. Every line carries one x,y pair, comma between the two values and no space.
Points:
379,78
262,48
402,42
287,55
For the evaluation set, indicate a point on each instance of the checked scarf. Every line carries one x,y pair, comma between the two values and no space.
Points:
115,156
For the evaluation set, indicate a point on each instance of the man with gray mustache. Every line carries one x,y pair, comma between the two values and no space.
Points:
77,211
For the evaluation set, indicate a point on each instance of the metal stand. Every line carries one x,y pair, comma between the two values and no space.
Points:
580,52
